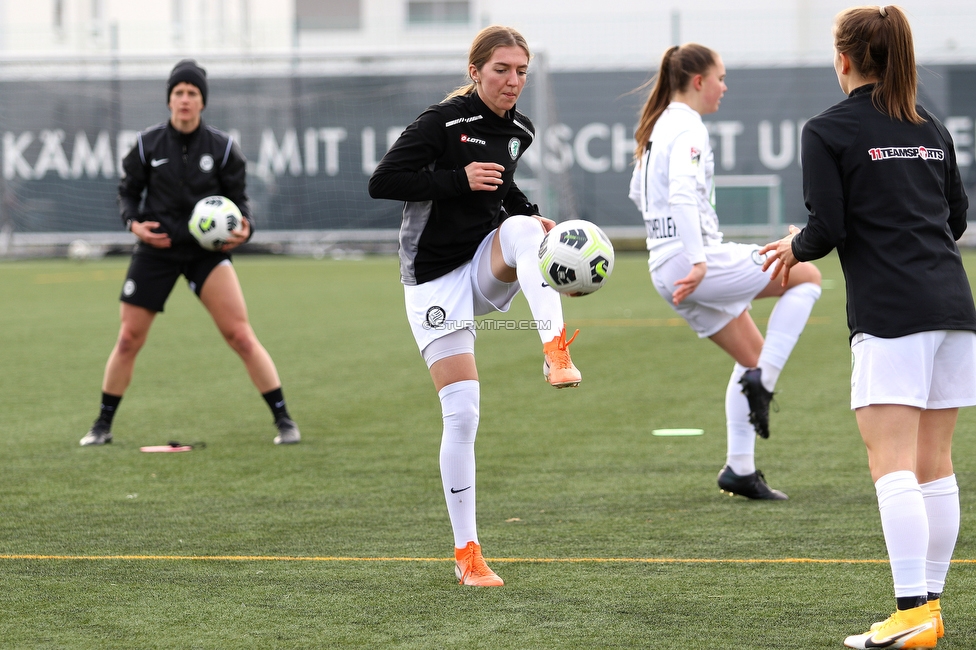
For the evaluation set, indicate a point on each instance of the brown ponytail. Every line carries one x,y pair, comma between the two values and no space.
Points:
878,41
678,66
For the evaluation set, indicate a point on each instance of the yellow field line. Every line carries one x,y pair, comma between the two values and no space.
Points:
663,322
79,276
527,560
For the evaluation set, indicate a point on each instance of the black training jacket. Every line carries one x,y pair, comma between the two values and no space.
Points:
443,219
176,170
888,196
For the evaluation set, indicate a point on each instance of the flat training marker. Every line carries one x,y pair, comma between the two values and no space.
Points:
166,448
675,433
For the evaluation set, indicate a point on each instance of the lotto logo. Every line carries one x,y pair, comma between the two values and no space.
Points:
467,138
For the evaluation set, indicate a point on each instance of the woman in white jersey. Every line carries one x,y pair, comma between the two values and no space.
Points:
711,283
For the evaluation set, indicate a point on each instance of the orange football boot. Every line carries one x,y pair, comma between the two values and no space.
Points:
471,569
558,368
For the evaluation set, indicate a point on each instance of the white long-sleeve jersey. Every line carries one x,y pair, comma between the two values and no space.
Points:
673,188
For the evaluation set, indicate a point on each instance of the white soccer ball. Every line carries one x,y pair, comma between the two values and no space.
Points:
576,257
212,221
80,250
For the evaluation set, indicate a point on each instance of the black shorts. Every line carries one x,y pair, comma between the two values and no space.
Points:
153,273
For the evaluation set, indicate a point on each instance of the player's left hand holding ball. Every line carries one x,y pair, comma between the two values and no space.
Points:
239,236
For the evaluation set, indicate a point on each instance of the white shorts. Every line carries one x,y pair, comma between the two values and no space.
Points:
928,370
734,278
450,302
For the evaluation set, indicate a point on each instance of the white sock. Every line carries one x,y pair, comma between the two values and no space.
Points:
906,531
460,408
520,237
942,507
741,436
786,323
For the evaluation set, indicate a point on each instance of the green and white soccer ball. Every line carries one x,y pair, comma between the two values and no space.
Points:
576,257
212,221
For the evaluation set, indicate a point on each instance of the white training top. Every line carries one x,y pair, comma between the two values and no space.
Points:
672,185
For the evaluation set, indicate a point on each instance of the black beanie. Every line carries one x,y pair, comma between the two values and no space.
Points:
187,70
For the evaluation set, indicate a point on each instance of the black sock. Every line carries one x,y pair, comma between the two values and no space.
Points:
276,402
911,602
935,596
109,405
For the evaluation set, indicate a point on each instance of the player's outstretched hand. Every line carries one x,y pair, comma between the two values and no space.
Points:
146,232
238,237
781,253
687,285
484,177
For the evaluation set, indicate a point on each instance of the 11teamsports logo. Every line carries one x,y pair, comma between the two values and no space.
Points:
886,153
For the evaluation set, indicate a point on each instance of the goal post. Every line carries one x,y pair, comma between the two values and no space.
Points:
749,206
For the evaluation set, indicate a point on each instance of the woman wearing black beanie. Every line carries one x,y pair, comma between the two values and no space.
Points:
173,165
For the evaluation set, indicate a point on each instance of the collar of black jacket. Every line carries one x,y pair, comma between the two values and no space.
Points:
860,90
185,136
487,112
